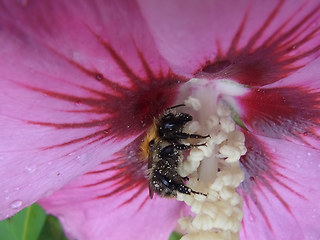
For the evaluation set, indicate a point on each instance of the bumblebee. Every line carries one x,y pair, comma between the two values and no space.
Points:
163,147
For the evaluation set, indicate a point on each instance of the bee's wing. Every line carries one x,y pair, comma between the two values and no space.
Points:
150,160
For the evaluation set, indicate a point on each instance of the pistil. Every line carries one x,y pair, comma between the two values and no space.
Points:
214,170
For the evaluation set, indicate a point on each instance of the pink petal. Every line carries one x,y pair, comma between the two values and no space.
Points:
281,190
113,202
307,77
101,219
254,43
287,109
77,83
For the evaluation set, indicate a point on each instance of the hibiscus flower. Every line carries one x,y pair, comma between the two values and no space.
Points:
82,81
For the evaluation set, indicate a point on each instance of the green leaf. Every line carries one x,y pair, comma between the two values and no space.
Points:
236,117
52,230
25,225
175,236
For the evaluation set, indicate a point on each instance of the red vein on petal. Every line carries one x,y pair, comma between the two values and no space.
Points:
245,202
120,62
266,183
277,57
126,173
117,167
102,135
264,26
259,166
146,66
271,39
116,87
94,123
260,207
235,41
125,111
296,27
139,191
280,175
288,112
124,187
144,202
252,198
130,109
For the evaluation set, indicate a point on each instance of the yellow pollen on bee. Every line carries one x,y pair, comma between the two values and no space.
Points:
151,134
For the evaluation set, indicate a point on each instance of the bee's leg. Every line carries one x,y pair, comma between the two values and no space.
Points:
183,135
186,178
194,192
186,190
189,146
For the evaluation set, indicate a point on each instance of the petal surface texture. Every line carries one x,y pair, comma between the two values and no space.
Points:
82,83
254,43
288,109
281,190
113,202
78,84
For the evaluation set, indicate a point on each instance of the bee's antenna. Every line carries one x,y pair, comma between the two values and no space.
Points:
176,106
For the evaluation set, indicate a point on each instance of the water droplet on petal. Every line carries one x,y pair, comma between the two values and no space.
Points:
298,165
1,158
30,169
82,157
309,154
48,192
16,204
251,218
6,194
314,213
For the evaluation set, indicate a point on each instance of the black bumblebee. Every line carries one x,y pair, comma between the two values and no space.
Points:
164,148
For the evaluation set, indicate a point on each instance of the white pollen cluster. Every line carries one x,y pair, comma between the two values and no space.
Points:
213,170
